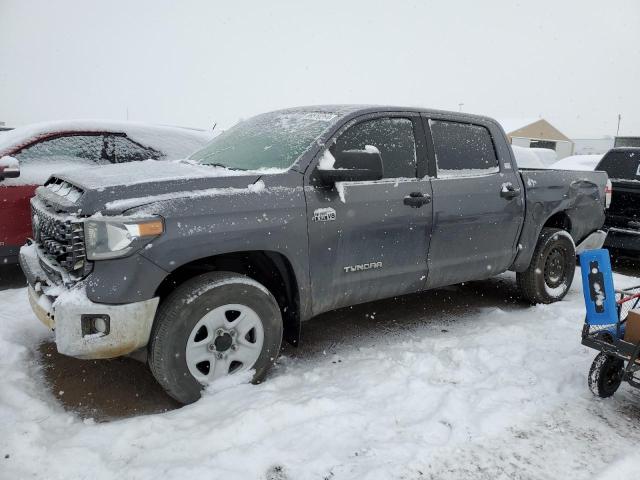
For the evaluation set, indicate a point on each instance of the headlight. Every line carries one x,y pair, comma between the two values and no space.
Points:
116,237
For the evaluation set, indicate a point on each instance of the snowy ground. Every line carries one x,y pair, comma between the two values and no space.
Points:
465,382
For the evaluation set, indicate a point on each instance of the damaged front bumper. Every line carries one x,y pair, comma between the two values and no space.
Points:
85,329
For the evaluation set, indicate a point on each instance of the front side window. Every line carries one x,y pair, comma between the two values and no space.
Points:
271,140
463,149
393,137
72,149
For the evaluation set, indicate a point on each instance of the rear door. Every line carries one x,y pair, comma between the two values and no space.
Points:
478,204
365,243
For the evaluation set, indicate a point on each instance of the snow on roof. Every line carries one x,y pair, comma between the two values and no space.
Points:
174,142
512,124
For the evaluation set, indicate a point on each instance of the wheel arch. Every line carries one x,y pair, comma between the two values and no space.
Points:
560,220
271,269
529,239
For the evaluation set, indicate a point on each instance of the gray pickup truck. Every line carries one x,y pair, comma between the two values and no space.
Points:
207,264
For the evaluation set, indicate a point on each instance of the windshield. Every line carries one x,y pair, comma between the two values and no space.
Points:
270,140
621,165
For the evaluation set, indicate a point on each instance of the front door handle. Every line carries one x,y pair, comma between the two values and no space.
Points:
417,199
509,191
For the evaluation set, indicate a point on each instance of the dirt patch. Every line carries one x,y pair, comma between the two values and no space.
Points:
103,389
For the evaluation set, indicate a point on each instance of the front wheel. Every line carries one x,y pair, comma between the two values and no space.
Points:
553,264
212,326
605,375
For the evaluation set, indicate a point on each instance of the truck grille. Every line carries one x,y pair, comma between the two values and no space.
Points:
61,239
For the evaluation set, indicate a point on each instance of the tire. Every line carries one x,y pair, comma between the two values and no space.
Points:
553,264
239,327
605,375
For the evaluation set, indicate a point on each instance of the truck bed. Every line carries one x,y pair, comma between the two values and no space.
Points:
577,193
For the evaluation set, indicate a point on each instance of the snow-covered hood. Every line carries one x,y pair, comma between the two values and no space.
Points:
116,188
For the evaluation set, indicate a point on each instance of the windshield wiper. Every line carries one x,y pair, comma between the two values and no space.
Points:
195,162
222,166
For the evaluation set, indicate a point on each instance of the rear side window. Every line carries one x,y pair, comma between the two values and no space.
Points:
393,137
463,149
621,165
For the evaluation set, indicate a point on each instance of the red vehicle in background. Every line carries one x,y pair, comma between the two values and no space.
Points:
29,155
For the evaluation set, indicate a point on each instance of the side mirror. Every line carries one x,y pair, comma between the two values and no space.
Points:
9,168
353,166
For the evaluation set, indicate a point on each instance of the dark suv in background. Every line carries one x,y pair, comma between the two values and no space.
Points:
623,216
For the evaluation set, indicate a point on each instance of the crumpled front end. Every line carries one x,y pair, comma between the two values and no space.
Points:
83,329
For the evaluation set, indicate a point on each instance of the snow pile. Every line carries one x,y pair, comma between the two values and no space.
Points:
454,394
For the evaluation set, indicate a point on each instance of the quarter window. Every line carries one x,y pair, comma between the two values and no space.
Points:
463,149
393,137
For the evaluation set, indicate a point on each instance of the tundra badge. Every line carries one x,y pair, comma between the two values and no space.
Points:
362,267
324,215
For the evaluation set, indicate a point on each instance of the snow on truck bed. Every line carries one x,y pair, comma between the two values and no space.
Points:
444,384
578,162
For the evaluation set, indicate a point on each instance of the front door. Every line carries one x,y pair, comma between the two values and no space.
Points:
365,240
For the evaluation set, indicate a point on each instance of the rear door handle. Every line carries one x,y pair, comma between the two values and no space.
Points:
509,191
417,199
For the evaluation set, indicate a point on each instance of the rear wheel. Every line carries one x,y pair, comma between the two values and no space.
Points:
212,326
553,264
605,375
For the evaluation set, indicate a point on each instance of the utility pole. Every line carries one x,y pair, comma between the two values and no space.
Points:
618,129
127,113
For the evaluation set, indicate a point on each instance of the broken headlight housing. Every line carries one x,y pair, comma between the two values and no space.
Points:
119,236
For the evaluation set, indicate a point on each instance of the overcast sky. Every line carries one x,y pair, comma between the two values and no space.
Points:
193,63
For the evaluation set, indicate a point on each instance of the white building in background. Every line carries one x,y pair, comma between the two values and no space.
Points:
537,133
592,146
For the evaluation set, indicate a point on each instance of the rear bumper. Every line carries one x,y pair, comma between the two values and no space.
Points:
623,239
593,241
69,313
